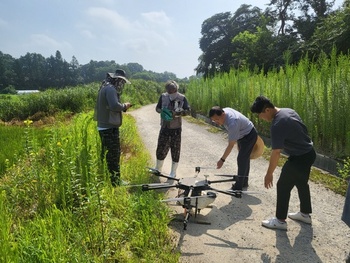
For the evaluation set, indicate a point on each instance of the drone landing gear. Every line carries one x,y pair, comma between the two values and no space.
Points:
187,214
188,206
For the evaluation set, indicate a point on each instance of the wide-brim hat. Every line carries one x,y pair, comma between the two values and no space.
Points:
119,73
258,149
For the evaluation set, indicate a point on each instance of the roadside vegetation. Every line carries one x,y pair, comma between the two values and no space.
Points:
319,92
55,195
56,200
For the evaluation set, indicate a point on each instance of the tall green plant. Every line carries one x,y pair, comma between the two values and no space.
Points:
77,216
318,91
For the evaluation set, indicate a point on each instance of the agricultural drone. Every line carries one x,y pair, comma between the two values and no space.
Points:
197,192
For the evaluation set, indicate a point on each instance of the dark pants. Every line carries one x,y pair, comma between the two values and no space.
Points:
295,172
169,139
346,210
245,146
111,150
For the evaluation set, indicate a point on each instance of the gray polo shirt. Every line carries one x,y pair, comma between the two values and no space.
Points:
236,124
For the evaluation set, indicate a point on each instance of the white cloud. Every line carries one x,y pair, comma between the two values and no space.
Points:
147,35
109,18
158,18
87,34
44,41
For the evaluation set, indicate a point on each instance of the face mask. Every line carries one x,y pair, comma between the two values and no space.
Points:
173,96
119,86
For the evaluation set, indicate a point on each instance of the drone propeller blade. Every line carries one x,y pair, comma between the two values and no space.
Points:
173,199
151,185
153,171
224,175
157,173
229,175
183,198
244,192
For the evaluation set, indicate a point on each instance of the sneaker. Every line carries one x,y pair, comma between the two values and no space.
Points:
300,217
274,223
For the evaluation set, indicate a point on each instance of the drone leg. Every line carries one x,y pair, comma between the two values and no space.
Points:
186,218
196,208
187,206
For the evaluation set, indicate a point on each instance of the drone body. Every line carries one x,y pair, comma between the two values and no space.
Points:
200,201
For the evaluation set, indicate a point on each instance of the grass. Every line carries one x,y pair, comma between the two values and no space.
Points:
319,92
58,205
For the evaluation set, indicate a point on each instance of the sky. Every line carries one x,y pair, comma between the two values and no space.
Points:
160,35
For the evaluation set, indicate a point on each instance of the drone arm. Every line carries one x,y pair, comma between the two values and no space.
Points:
237,193
233,179
147,187
157,173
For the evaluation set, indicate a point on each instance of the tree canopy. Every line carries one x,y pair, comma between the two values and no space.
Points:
33,71
260,39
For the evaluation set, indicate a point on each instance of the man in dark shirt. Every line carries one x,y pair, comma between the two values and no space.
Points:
288,133
108,114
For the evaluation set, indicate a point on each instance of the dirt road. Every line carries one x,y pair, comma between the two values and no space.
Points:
235,233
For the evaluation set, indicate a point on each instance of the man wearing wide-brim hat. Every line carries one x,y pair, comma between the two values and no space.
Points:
108,114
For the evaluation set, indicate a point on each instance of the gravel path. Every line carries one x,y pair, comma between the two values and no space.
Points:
235,233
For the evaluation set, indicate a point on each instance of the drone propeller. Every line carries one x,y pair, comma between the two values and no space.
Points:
243,192
229,175
151,184
153,171
206,168
185,197
158,173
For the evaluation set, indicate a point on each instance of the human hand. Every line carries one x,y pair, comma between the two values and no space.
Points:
268,181
219,164
177,113
127,105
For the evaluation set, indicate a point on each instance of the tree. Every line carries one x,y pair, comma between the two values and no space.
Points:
31,72
333,31
313,12
254,49
217,34
7,74
216,44
74,75
282,7
134,68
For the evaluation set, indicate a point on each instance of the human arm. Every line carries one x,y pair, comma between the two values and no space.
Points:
274,157
113,100
186,108
227,152
181,107
159,105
